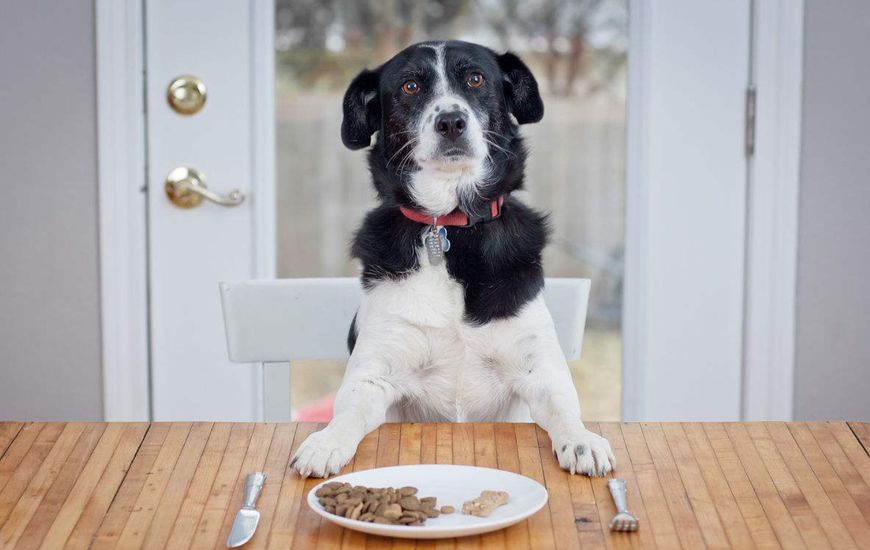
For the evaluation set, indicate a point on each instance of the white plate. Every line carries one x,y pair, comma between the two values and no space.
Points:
452,485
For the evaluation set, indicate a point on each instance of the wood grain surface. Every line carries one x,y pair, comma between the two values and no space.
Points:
692,485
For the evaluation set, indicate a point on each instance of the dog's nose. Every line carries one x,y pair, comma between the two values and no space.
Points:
450,125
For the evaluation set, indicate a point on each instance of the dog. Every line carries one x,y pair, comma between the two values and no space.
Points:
452,326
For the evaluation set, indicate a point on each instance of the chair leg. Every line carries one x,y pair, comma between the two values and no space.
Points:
276,392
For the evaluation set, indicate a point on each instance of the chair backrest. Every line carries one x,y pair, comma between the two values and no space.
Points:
289,319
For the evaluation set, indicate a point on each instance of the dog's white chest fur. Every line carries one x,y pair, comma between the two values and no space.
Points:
450,370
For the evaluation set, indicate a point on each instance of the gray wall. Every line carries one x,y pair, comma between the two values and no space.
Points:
833,313
49,285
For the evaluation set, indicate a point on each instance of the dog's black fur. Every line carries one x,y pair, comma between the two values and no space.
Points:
499,262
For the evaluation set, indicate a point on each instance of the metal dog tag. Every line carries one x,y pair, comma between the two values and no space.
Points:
433,247
436,244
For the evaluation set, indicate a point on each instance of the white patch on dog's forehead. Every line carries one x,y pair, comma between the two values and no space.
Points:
438,185
440,66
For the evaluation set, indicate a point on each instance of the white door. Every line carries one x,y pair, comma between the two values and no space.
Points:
226,44
684,201
686,210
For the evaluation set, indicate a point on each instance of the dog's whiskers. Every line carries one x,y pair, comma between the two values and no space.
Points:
502,136
405,161
410,142
500,148
496,145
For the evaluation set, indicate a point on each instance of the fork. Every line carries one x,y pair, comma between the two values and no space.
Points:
622,521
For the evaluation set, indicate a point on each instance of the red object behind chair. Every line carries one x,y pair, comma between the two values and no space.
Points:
319,411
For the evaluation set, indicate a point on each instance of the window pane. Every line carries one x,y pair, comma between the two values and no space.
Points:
577,50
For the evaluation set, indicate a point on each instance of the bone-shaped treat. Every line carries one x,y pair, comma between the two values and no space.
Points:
483,505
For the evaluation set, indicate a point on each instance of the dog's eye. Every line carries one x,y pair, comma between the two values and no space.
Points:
475,80
410,87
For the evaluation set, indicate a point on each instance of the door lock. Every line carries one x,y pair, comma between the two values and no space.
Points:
186,188
186,94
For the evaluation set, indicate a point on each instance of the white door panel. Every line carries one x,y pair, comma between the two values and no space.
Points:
686,210
192,249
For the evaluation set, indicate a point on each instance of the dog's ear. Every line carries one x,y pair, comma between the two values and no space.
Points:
521,89
362,110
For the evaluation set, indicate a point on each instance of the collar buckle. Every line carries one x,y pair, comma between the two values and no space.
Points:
493,213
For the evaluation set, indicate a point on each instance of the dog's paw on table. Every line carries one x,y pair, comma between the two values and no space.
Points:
584,452
322,454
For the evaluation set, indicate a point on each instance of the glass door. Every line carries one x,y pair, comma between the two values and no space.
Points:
575,173
663,240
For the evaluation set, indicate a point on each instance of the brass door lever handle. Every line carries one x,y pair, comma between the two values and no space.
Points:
186,188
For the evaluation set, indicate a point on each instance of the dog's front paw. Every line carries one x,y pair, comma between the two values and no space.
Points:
322,454
584,452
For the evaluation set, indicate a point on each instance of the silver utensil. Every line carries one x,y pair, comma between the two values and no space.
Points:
248,517
622,521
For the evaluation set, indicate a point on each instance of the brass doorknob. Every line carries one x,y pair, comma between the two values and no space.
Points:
186,94
186,188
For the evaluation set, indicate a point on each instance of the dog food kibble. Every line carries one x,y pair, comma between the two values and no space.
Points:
483,505
386,505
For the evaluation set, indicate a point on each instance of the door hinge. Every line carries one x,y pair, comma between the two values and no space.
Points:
750,121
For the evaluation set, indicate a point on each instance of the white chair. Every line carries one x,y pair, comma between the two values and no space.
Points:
275,321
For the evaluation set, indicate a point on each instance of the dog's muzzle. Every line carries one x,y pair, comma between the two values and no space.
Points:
453,143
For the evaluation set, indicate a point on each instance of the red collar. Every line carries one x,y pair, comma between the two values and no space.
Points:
457,218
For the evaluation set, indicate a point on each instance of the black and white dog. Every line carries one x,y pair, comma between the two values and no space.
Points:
452,325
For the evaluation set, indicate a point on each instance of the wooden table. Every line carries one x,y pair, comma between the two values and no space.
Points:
795,485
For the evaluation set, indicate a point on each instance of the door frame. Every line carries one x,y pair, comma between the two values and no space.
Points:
772,211
122,210
771,241
122,173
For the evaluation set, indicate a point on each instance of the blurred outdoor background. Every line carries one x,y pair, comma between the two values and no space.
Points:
576,49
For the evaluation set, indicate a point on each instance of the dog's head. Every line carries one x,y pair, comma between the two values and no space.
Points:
443,116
